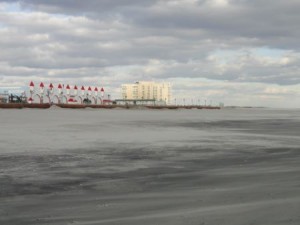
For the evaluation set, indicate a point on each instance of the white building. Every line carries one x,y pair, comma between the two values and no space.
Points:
147,90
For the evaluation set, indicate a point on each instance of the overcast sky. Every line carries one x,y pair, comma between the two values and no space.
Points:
240,52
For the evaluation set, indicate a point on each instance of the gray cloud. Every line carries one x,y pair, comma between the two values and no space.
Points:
241,41
250,19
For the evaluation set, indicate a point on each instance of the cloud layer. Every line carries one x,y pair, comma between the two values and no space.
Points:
251,44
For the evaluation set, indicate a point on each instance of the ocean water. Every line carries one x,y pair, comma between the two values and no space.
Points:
103,166
56,130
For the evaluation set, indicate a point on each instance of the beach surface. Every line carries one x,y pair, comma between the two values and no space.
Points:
150,167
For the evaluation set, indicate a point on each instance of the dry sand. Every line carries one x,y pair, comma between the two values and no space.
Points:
135,167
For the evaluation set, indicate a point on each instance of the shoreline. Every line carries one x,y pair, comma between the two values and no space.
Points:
94,106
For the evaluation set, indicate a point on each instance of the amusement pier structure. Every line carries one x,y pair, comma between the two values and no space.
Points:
62,96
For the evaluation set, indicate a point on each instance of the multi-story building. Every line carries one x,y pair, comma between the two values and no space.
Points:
147,90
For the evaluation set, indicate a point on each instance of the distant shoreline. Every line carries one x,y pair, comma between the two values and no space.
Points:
94,106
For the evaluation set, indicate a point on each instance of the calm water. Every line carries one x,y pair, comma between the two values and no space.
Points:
55,130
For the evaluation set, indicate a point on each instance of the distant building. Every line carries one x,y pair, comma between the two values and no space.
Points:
147,90
4,97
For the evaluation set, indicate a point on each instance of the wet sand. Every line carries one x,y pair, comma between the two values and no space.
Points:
138,167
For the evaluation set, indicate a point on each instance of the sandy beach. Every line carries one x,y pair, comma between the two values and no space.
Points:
150,167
